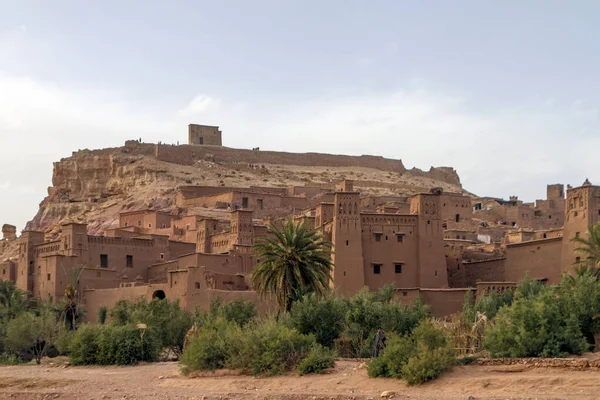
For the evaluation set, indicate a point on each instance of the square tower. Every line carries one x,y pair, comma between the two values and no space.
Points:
204,135
582,211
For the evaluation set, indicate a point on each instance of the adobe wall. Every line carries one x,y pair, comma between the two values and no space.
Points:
483,270
94,299
541,258
444,302
8,271
456,207
187,154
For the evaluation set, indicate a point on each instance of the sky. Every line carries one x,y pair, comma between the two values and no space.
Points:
505,92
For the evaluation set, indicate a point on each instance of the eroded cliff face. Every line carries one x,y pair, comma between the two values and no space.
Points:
93,187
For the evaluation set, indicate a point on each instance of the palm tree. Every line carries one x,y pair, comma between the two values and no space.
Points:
295,261
70,305
589,247
12,300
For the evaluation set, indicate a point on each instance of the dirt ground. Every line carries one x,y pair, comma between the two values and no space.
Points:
346,381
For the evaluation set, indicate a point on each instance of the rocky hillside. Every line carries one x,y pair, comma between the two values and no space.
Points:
94,186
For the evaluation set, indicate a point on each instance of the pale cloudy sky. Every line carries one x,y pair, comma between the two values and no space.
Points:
506,92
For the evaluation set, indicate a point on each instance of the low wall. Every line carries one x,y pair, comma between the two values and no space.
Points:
577,364
444,302
540,258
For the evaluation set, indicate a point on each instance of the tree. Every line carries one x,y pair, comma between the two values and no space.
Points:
71,308
30,334
294,262
590,248
13,301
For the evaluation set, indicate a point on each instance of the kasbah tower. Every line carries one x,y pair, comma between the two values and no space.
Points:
582,212
374,249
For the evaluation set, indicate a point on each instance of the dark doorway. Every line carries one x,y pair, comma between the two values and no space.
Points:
159,294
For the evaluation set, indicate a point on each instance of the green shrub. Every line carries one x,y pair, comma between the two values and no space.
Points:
239,311
318,360
378,367
269,348
84,346
120,345
322,316
63,341
30,336
535,325
427,365
417,358
210,347
9,359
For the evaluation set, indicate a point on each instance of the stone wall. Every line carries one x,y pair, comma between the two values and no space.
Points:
540,258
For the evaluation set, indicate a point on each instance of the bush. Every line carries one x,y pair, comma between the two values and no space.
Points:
260,348
417,358
9,359
393,358
239,311
269,348
318,360
84,346
535,325
427,365
168,321
30,336
323,317
63,341
209,349
120,345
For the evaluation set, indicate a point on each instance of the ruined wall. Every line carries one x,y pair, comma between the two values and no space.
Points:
541,258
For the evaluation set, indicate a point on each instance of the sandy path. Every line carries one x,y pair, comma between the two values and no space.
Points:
163,381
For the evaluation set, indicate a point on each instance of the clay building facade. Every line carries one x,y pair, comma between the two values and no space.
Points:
204,135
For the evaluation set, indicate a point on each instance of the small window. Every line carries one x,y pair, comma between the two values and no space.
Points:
129,261
377,269
576,213
49,276
378,237
139,223
244,202
428,222
576,234
398,268
344,273
549,216
347,242
197,285
187,227
259,204
103,260
162,256
126,224
404,294
577,259
399,238
386,238
149,225
435,273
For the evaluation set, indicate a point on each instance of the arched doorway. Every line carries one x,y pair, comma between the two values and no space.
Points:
159,294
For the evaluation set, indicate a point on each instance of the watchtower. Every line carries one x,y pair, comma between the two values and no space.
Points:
204,135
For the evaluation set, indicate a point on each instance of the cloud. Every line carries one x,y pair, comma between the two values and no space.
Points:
199,105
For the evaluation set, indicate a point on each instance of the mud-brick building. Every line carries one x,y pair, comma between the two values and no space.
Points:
45,268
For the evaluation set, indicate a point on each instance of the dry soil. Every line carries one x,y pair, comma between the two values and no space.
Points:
347,381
